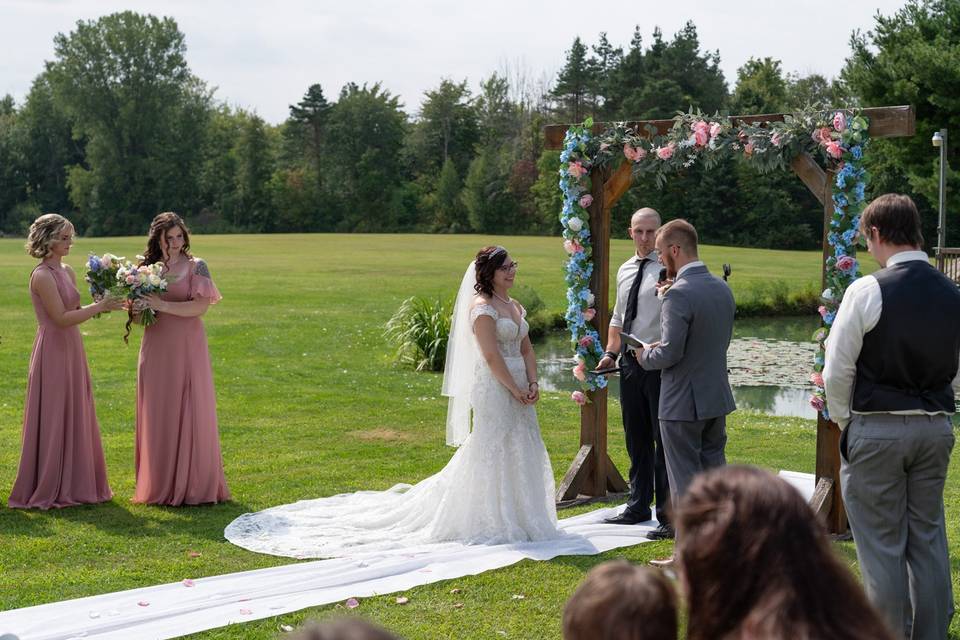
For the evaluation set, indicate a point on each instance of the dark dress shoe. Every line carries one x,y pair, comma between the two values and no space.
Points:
663,532
628,517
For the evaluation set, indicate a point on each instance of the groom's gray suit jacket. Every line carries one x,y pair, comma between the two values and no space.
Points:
696,322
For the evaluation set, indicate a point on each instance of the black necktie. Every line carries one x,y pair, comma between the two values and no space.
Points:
631,311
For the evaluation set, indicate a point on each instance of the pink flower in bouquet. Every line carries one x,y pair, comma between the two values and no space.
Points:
586,341
823,311
572,246
665,153
839,121
817,403
586,201
748,149
589,314
580,371
775,139
579,397
816,379
846,263
576,169
715,129
131,279
834,150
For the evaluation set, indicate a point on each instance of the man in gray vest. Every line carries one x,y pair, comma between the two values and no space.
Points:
696,324
637,312
890,376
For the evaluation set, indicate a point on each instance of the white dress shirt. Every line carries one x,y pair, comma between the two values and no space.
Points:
646,325
858,314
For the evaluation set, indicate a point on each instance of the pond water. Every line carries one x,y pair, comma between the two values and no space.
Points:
770,360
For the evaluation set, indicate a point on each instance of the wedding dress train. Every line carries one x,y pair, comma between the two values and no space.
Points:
498,487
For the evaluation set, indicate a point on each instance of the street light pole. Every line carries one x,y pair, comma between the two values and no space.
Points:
940,140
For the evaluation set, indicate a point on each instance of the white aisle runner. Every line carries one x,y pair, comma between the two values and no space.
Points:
172,610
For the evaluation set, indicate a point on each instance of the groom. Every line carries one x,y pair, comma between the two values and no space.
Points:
696,324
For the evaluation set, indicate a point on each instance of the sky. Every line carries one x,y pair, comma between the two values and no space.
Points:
262,56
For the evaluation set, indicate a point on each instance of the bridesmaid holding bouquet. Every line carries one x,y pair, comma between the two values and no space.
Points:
61,462
177,445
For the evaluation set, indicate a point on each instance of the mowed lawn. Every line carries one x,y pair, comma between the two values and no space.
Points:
310,405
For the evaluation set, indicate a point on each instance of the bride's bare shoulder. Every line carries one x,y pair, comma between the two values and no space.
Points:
481,300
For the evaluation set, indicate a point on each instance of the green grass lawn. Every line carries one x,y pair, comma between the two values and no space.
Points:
310,405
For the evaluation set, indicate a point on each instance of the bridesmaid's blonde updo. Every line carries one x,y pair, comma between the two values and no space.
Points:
43,233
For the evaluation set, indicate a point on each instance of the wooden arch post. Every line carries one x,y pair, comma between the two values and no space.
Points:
592,472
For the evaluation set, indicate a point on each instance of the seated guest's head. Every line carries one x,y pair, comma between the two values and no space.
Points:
621,601
756,563
345,629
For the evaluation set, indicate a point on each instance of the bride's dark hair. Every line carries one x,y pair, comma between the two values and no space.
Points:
489,259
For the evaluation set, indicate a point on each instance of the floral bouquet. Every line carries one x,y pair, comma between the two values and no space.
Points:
134,282
102,273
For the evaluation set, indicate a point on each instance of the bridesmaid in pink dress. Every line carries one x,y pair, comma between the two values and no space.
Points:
177,445
61,462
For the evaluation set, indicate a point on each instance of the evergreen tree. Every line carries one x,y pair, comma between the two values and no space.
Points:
576,84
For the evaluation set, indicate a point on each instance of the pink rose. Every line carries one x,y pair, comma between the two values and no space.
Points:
634,154
715,129
816,379
579,397
576,169
572,246
817,403
748,149
580,371
834,150
665,153
586,201
701,125
701,138
846,263
839,121
775,139
586,341
822,135
589,314
131,279
823,311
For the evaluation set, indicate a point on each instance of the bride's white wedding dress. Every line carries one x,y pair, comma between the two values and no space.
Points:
498,487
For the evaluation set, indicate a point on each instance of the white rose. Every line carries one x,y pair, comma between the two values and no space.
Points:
154,279
827,294
590,299
575,224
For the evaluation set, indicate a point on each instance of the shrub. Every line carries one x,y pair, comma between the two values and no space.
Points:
420,328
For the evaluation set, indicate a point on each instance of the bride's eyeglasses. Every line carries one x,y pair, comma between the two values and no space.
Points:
509,267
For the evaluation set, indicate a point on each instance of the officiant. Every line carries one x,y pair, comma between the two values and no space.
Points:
637,312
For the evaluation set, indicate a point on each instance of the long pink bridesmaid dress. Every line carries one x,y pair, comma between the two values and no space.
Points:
177,445
61,462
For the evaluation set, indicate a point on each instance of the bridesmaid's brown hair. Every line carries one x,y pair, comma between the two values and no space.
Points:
158,228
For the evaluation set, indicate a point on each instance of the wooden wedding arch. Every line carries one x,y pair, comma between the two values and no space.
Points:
592,472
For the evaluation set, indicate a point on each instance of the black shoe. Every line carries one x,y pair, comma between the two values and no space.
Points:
629,517
663,532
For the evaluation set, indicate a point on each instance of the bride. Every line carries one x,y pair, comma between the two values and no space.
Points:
497,488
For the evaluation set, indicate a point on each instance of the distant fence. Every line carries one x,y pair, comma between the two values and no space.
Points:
948,262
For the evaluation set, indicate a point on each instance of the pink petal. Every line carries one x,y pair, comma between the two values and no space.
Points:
352,603
194,554
245,612
143,603
188,582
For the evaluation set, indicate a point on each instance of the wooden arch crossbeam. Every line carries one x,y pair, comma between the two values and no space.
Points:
592,472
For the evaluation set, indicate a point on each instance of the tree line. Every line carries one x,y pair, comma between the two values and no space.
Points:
116,128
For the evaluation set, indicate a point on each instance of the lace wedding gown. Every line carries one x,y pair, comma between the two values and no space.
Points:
498,487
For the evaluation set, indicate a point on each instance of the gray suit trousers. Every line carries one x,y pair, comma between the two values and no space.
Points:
692,447
892,474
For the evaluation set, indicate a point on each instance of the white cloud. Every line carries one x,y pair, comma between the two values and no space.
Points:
263,55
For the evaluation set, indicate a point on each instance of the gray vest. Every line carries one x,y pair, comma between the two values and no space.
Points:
909,360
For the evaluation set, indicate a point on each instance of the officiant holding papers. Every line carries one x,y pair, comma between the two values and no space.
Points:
637,312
